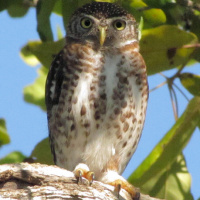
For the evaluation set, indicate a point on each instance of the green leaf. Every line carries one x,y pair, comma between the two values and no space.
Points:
34,93
195,18
14,157
191,82
18,8
109,1
195,28
177,183
162,47
28,56
135,7
59,33
172,144
4,137
156,3
44,9
4,4
197,54
58,7
15,8
44,51
154,16
42,152
68,8
132,5
173,184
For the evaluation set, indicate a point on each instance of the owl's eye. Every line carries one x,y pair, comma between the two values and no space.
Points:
86,23
119,25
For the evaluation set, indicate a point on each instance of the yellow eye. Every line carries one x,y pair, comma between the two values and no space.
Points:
86,23
119,25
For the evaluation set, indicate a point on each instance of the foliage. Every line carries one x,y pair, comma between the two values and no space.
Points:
37,88
4,137
170,34
44,158
157,168
14,157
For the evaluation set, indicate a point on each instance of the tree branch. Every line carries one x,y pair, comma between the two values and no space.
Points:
30,181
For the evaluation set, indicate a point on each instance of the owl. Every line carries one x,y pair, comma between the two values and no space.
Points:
96,95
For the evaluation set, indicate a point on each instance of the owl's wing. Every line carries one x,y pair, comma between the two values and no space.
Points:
53,90
54,81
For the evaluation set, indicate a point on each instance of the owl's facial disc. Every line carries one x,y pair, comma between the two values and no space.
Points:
95,27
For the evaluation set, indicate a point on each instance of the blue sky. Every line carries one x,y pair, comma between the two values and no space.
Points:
27,124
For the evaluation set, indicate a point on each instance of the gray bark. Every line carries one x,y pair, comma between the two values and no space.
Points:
38,181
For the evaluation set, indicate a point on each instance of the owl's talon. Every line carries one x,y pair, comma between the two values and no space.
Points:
117,189
137,196
123,184
79,174
90,177
82,171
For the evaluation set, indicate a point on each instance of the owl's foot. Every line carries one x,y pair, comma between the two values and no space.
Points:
120,184
82,170
114,179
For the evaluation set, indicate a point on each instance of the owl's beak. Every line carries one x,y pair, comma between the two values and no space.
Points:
102,36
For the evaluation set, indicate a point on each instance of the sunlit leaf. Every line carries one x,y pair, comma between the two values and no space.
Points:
134,5
42,152
162,47
172,144
135,8
59,33
45,51
191,82
4,137
178,182
44,9
28,57
174,183
14,157
34,93
154,16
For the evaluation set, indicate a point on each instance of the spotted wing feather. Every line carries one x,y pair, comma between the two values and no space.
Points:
54,81
53,90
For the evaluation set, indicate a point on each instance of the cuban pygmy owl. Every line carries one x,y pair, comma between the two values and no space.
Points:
96,94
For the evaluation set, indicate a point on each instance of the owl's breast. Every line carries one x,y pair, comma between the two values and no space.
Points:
108,108
104,99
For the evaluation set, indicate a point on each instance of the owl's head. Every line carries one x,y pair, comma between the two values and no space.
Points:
103,24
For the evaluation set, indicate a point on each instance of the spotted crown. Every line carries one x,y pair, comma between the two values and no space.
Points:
102,9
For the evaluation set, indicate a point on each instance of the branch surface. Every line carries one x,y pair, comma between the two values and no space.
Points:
33,181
